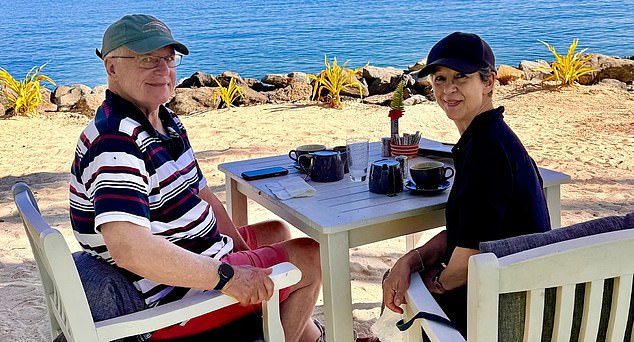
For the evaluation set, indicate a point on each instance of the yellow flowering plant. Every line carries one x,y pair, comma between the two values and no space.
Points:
227,94
569,68
24,96
334,79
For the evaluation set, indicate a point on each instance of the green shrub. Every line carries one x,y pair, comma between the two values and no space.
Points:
23,96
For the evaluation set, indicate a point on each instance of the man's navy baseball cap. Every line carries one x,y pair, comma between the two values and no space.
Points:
140,33
463,52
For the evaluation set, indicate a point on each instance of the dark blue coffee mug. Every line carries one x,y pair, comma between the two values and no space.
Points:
323,166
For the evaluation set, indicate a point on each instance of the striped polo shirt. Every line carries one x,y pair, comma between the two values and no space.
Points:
124,170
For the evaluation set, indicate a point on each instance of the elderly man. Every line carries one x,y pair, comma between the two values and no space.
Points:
139,201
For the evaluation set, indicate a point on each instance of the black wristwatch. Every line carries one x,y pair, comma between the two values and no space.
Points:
225,272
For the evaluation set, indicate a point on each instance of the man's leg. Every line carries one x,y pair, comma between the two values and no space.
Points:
264,233
296,311
109,293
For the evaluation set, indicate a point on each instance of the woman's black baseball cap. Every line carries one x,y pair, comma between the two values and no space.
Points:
463,52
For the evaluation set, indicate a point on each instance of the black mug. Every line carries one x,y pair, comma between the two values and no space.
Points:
430,174
344,156
323,166
304,149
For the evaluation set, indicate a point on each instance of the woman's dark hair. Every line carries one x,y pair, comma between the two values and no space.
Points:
485,73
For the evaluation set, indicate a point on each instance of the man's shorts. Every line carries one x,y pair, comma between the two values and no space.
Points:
263,257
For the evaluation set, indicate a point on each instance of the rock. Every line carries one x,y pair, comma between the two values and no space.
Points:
381,80
418,65
259,86
409,80
354,90
100,89
381,99
614,83
300,77
296,91
65,97
197,80
415,99
88,104
2,111
251,97
532,69
621,69
277,80
507,74
373,72
251,82
226,77
46,105
191,100
422,85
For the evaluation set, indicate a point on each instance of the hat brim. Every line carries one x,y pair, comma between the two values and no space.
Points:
153,43
451,63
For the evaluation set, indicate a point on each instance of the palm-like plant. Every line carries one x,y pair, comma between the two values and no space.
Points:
569,68
334,79
24,96
227,94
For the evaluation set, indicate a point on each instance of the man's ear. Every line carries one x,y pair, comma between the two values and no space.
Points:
110,67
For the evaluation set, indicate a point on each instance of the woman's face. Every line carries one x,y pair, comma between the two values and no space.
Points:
461,96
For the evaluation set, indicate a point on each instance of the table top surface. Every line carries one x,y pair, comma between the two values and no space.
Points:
345,205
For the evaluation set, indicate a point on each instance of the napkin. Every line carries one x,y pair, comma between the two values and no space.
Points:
291,187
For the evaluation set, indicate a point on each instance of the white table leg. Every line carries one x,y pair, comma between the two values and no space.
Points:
335,270
553,201
236,203
411,241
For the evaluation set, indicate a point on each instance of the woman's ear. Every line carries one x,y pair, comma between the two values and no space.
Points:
490,82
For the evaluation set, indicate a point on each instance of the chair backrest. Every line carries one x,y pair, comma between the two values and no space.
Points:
576,289
63,291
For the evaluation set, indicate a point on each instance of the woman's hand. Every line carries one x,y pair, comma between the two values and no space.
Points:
395,285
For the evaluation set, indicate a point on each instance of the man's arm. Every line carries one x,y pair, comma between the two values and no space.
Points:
223,221
134,248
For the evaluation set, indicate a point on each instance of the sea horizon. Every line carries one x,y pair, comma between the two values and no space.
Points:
279,37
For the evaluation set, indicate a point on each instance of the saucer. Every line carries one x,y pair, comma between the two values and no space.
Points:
426,191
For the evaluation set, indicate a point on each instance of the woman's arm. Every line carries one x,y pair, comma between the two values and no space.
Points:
397,281
455,274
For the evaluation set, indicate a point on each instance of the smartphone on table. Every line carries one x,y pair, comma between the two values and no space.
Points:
264,173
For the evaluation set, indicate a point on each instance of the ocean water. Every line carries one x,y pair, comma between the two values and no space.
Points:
256,37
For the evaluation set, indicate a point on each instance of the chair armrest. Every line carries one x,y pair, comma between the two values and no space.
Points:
418,299
284,274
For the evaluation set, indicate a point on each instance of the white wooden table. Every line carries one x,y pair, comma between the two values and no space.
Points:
343,215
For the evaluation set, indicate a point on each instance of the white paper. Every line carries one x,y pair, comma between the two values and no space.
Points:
290,187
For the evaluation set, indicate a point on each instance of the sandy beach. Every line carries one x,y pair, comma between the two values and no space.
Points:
585,132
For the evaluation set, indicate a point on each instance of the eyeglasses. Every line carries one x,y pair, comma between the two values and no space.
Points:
151,62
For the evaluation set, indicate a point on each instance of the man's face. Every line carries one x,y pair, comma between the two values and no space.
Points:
146,88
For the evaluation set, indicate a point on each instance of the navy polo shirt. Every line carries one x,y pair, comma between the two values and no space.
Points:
497,190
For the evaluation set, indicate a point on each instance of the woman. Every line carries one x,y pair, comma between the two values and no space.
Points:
497,191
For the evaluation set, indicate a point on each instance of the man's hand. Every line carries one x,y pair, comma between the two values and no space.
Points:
249,285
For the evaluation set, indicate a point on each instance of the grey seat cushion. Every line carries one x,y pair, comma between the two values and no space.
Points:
512,306
520,243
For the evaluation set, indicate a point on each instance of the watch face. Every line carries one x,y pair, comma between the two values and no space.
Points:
225,271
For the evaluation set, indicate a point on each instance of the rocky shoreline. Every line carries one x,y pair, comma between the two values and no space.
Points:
195,93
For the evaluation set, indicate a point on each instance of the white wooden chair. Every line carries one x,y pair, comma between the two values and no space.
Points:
67,305
573,290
